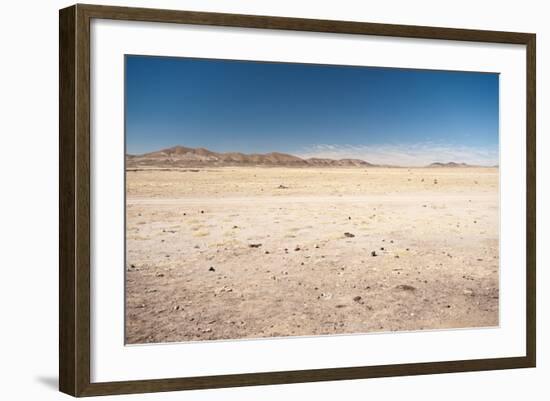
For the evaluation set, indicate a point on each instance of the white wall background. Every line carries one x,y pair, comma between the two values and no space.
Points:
28,197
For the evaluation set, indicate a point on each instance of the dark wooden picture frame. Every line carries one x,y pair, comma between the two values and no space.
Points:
74,200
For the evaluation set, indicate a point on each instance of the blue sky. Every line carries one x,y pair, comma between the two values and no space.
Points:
382,115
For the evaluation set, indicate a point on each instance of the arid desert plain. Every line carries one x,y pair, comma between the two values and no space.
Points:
248,252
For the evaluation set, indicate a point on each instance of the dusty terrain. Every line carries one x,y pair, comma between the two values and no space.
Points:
245,252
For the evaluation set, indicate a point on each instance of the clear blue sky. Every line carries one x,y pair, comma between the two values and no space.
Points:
402,116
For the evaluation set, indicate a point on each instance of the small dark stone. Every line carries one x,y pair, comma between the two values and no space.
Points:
382,248
405,287
297,248
349,235
357,298
267,252
202,211
254,245
132,265
373,253
349,217
211,269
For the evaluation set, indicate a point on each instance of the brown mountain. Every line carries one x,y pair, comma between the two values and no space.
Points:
181,156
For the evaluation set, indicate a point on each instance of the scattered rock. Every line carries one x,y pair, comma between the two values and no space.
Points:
382,248
254,245
211,269
159,274
282,187
202,211
349,217
132,265
357,298
225,289
267,252
349,235
297,248
373,253
435,181
235,227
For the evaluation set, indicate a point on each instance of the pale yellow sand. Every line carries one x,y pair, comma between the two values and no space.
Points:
283,264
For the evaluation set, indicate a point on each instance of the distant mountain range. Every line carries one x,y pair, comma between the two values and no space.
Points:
450,164
181,156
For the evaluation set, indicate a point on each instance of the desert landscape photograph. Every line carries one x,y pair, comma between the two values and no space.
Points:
269,200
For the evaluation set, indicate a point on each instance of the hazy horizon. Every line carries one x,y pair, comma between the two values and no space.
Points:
380,115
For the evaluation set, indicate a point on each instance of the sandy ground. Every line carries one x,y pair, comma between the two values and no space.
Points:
231,252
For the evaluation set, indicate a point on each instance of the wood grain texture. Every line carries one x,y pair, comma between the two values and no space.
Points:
67,131
531,202
74,199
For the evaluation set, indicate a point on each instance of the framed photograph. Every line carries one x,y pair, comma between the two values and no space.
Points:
250,200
